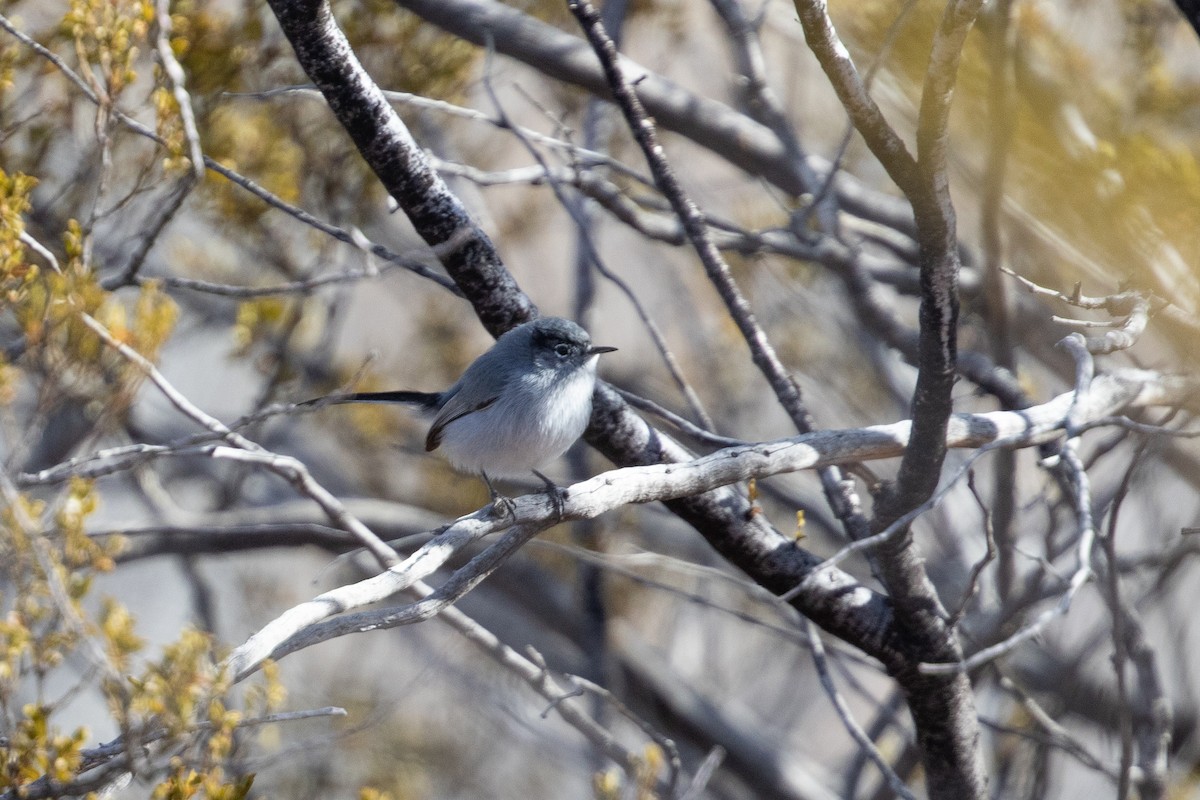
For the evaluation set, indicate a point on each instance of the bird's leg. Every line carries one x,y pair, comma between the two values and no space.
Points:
500,503
558,495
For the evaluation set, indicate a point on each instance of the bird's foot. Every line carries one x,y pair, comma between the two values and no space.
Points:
502,505
558,495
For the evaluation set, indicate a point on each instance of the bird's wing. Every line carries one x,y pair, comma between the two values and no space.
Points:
456,408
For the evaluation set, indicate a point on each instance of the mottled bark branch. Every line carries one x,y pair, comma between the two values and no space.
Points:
822,588
733,137
943,708
723,516
1191,12
387,146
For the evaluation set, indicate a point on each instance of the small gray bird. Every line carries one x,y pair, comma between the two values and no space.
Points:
518,406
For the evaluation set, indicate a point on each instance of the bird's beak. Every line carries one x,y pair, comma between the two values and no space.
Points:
595,351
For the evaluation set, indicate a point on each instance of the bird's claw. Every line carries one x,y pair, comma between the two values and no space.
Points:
558,496
502,505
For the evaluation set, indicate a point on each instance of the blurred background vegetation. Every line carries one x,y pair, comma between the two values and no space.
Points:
105,624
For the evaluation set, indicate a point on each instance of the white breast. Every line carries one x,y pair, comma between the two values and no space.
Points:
532,423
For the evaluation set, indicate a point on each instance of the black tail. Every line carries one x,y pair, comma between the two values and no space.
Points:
430,400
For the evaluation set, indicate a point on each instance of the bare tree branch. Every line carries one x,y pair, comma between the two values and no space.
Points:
723,516
610,490
1132,308
841,494
290,469
839,67
856,732
400,164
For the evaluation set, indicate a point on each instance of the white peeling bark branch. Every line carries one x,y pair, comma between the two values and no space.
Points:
723,517
1110,394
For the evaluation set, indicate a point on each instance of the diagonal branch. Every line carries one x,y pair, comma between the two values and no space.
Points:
723,516
665,482
851,90
386,144
290,469
842,497
942,706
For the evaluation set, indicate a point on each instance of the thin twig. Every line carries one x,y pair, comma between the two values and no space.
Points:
840,493
292,470
593,254
901,523
93,756
981,565
540,681
663,741
1060,736
1131,309
704,774
1131,649
582,154
37,247
1077,479
249,185
856,732
765,106
682,423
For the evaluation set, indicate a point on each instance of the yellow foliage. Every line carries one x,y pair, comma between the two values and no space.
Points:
15,642
78,549
371,793
652,762
215,48
257,318
46,561
48,306
181,691
107,35
606,785
204,774
8,59
254,143
269,695
168,123
402,52
172,689
15,272
51,318
117,626
182,783
154,317
36,749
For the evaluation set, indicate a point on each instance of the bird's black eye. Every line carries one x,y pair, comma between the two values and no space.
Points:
563,349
